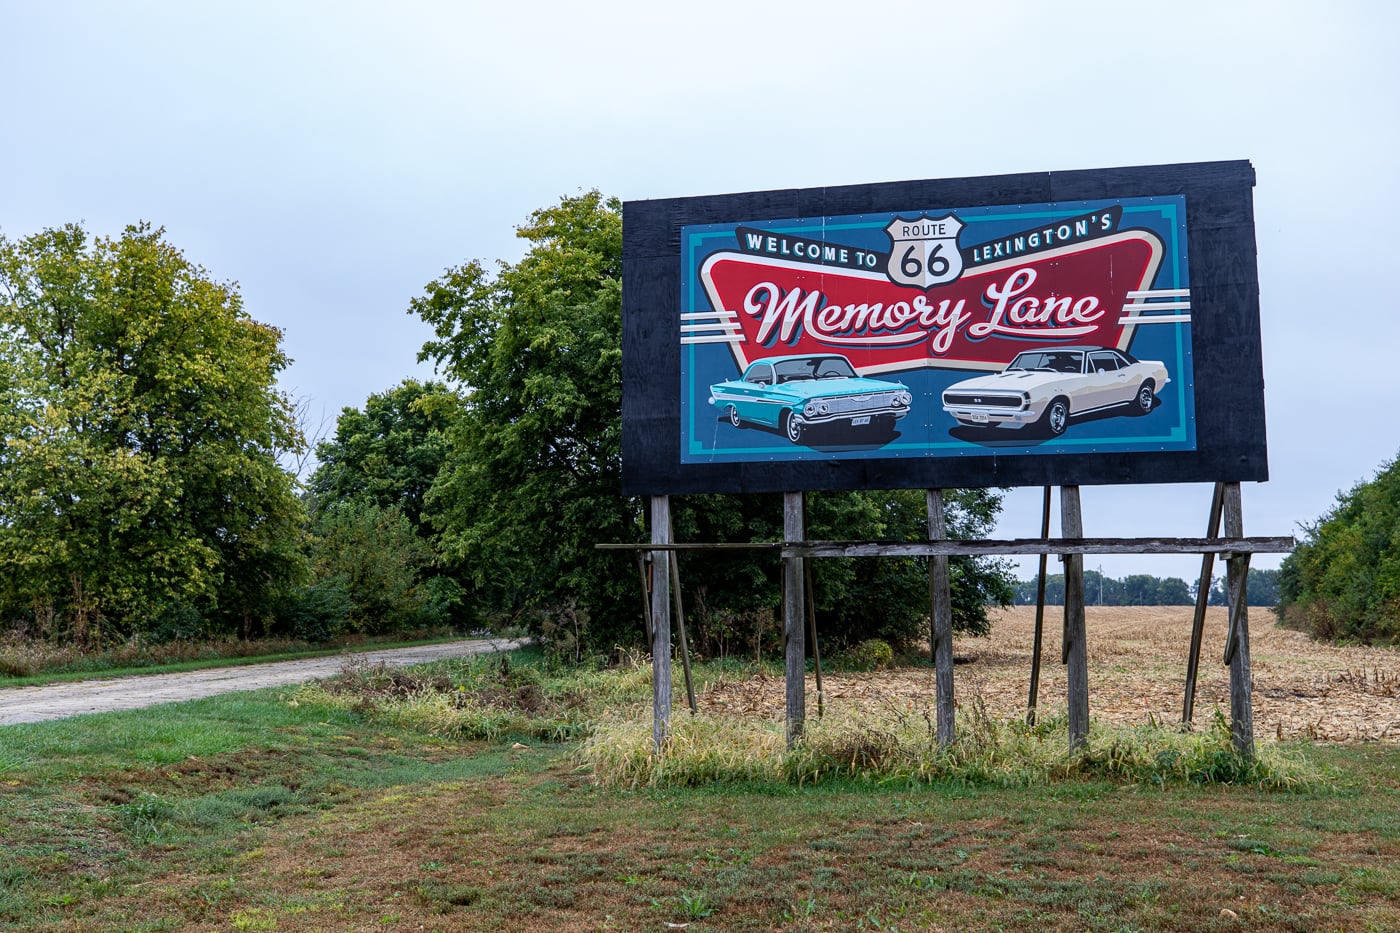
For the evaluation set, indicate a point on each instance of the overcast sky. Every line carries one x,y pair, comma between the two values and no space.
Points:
333,158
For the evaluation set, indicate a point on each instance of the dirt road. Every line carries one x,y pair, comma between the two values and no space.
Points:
57,701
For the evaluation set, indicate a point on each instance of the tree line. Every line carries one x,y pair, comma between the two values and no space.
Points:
1140,589
144,490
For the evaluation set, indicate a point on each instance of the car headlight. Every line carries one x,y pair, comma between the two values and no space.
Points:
903,398
810,409
823,407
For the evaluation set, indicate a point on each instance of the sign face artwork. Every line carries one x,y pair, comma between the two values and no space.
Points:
1063,328
1030,330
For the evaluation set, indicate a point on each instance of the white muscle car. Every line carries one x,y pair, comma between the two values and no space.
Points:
1043,389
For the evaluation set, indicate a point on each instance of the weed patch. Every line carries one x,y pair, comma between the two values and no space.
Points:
901,746
485,698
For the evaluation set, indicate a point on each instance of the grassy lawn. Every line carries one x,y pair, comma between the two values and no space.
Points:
291,812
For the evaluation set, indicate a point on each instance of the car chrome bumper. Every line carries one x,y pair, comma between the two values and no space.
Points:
835,416
1014,416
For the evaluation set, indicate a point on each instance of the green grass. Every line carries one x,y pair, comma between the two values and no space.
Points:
277,811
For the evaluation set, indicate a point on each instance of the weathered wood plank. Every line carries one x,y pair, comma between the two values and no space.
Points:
794,617
1039,613
1241,675
1063,546
680,626
941,600
1075,652
1198,621
1278,544
661,622
643,570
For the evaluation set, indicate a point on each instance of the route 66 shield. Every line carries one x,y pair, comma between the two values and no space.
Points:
924,251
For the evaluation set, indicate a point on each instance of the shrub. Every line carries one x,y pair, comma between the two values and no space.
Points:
873,654
1343,581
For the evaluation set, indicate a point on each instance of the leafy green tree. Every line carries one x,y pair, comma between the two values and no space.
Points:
532,474
855,598
1138,589
367,560
373,477
888,597
531,480
141,490
389,453
1343,581
1173,591
1262,589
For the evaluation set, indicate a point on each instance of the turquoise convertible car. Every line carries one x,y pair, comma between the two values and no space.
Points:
795,393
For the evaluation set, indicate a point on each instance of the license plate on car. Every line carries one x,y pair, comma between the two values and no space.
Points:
980,417
858,421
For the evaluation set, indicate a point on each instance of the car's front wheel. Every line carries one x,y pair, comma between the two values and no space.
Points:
734,418
1146,397
793,428
1056,417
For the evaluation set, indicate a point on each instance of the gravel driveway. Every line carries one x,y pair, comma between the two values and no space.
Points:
57,701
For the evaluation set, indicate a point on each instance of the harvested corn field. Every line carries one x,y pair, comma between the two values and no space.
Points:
1137,672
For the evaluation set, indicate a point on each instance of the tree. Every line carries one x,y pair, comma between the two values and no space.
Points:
532,475
141,490
389,453
855,598
367,560
1261,589
531,480
1138,589
1343,580
373,478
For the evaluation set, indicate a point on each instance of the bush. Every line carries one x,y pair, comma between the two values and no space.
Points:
369,562
1343,581
873,654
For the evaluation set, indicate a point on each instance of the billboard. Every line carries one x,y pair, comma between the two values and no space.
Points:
946,333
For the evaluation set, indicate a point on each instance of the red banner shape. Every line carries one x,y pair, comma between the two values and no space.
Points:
1068,296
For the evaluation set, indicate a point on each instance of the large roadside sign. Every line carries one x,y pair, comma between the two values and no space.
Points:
1063,328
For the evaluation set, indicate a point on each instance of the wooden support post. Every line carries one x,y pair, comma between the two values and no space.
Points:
660,622
1198,622
1075,652
1241,676
794,617
643,566
811,598
680,629
1039,613
680,622
1239,604
941,615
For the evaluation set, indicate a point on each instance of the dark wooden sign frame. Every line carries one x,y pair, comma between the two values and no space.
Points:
1225,336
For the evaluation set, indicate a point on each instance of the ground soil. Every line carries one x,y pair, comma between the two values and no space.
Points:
1137,672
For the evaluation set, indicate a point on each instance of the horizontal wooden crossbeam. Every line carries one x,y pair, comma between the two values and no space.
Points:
1225,546
987,547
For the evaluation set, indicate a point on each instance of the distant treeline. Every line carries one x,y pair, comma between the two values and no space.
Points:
1141,589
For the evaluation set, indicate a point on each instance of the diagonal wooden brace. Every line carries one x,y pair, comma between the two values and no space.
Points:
1240,561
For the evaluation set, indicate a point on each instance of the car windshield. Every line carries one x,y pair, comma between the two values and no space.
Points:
1054,361
814,367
